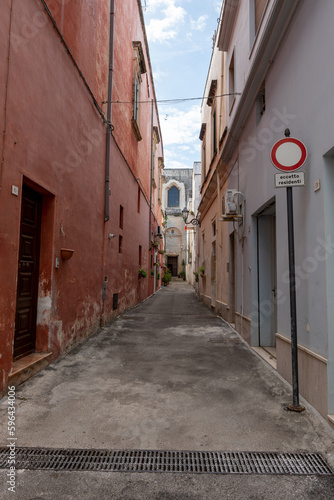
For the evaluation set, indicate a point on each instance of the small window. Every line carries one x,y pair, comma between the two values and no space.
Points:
138,201
261,103
214,132
231,79
259,11
120,244
139,68
121,217
203,160
256,12
173,197
140,255
214,228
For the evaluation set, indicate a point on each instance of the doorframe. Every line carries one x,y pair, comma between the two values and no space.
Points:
232,279
36,274
47,256
268,209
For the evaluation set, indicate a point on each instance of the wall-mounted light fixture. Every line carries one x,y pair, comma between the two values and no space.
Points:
194,221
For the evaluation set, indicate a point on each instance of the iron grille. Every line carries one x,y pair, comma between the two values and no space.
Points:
199,462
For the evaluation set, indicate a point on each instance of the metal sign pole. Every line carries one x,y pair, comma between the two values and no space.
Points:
293,304
288,155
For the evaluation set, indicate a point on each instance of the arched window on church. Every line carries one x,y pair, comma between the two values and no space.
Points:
173,197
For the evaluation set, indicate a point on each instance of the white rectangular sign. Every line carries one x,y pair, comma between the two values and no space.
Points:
290,179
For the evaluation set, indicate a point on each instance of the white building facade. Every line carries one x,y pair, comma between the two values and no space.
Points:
279,75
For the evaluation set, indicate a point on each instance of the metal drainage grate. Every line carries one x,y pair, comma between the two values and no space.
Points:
200,462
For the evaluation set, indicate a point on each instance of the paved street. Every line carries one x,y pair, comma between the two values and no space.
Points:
167,375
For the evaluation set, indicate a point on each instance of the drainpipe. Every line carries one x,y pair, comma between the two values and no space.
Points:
151,171
109,128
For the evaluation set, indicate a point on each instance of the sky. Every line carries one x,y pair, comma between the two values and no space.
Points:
180,35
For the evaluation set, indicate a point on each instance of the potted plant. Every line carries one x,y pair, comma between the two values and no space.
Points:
166,277
202,270
196,276
142,273
161,252
152,272
155,244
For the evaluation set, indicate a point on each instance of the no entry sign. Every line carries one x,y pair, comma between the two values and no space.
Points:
288,154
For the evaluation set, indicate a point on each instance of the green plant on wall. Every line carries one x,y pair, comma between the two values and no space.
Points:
142,273
196,276
202,270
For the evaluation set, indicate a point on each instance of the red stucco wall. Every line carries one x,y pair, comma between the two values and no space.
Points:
55,143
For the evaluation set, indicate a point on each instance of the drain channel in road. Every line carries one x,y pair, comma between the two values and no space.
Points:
199,462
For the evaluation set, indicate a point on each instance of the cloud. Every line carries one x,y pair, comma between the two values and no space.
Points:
166,28
200,24
181,127
177,164
159,75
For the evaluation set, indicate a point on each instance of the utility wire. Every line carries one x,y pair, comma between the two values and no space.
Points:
167,101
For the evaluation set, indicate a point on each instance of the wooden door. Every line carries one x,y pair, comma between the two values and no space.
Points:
172,264
28,272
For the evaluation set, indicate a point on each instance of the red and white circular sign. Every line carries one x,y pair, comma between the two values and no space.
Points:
288,154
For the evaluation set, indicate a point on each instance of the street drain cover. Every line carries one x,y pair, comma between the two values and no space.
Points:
200,462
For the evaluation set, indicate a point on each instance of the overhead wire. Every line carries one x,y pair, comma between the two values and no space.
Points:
175,101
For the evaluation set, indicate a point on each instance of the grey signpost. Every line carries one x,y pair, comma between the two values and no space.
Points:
288,155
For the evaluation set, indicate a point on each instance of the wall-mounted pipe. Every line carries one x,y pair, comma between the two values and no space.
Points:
109,127
151,178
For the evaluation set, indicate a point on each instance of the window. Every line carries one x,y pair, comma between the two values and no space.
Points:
214,133
139,68
138,201
120,244
140,255
256,12
213,261
202,138
121,217
156,141
173,197
231,80
214,228
203,161
259,11
261,103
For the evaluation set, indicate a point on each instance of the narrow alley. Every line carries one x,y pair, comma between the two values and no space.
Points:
167,375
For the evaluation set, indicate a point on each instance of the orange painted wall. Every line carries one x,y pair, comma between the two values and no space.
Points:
55,142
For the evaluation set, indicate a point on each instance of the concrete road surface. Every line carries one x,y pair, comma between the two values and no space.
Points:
167,375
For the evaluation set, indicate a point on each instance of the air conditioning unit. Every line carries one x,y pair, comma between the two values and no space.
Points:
231,202
233,206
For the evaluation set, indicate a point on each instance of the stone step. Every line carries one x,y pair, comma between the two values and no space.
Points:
27,366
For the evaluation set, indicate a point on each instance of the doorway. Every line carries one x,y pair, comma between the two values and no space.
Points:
267,277
231,269
172,264
28,273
